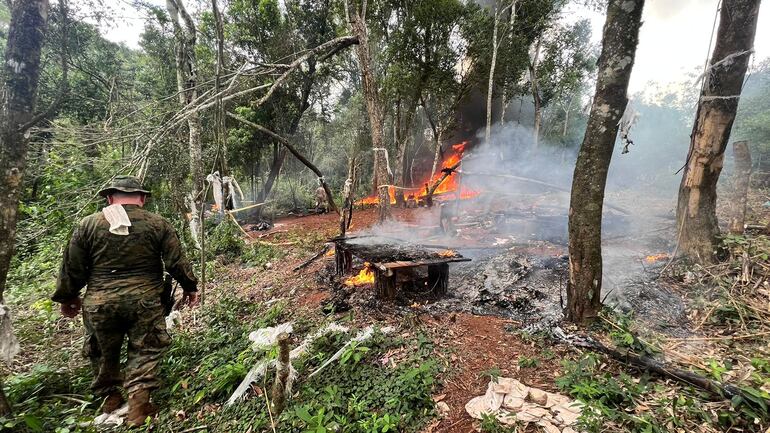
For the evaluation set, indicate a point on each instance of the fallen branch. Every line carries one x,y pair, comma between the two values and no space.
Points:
719,390
309,261
285,142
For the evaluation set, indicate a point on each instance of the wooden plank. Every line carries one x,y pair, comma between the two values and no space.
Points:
403,264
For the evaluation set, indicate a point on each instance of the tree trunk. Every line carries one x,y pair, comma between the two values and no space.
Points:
371,94
279,155
536,100
186,80
741,179
723,80
21,72
621,34
491,82
567,110
220,133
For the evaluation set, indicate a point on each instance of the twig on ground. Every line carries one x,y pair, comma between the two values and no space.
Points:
313,259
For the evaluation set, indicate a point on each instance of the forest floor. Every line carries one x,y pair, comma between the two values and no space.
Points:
441,353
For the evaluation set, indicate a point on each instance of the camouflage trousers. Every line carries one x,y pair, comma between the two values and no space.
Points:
107,326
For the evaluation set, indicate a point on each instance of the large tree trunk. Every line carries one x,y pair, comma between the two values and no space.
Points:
187,78
371,94
621,34
741,178
723,80
21,72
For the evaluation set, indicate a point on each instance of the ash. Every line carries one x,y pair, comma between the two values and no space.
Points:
508,283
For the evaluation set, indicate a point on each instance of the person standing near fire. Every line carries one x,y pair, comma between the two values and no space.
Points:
120,255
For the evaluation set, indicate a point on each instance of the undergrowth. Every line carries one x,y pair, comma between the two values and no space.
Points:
381,385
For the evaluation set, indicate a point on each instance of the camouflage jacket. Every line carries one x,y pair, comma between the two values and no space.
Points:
122,268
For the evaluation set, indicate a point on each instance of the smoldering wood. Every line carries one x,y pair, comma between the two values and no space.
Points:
741,180
387,260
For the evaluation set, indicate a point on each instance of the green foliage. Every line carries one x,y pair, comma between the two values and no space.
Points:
225,240
525,362
490,424
639,405
259,254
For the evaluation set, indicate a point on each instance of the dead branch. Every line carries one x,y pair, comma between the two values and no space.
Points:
199,105
718,390
309,261
285,142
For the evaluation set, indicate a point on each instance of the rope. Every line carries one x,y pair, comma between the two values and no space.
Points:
725,61
715,97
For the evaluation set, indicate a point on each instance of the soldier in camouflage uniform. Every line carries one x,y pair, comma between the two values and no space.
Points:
124,278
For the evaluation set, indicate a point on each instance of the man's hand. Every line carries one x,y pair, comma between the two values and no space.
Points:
71,307
190,298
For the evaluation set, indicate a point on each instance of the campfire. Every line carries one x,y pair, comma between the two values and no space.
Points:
447,253
366,276
446,179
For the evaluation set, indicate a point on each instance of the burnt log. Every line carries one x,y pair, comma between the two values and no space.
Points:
343,260
385,284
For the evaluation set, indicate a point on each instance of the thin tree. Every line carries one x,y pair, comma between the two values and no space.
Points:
619,40
187,78
498,15
698,228
357,23
21,72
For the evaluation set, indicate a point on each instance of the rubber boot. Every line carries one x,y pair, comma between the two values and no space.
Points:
139,408
113,402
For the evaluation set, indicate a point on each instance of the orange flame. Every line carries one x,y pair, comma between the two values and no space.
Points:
366,276
447,253
330,252
448,185
655,258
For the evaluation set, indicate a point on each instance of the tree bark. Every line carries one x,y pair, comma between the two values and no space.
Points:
741,178
723,80
187,78
21,73
373,106
536,100
491,82
620,37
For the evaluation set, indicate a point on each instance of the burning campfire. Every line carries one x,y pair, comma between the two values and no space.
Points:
447,253
446,176
366,276
655,258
